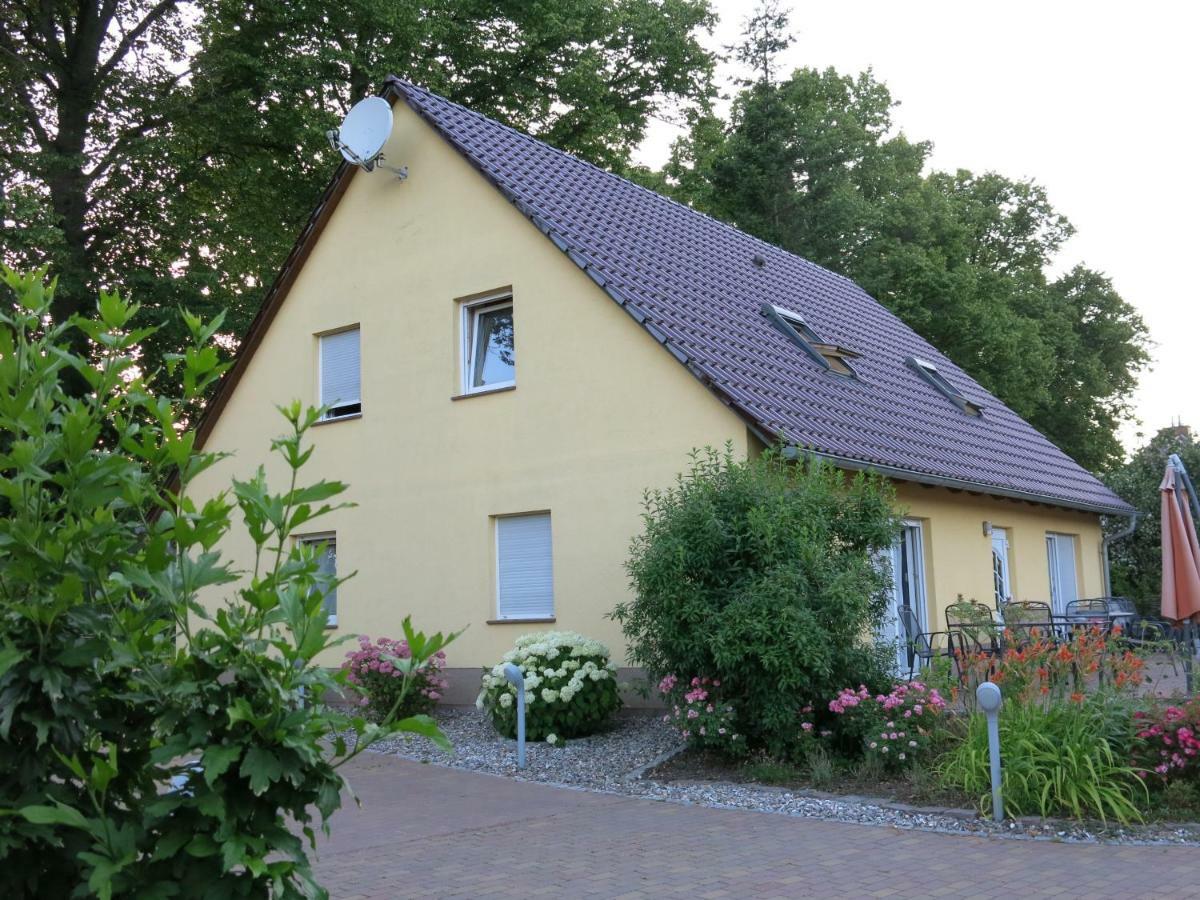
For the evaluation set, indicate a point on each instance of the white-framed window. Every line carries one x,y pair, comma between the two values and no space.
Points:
1064,584
1001,582
340,373
488,353
909,607
325,545
524,567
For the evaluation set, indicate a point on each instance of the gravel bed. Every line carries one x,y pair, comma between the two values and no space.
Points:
615,761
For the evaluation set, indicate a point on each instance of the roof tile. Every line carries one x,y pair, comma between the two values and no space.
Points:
693,282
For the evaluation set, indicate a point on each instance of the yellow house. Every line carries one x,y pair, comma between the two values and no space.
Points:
514,345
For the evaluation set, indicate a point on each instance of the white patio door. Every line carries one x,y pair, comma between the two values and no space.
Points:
1000,577
1060,557
907,561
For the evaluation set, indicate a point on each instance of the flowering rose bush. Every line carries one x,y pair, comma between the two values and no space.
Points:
372,670
570,687
1168,741
897,728
699,714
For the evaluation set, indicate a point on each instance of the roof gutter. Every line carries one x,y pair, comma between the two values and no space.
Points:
845,462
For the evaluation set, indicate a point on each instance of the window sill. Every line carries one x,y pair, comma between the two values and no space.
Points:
348,418
485,392
543,620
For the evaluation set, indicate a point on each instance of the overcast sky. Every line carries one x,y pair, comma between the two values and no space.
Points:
1096,101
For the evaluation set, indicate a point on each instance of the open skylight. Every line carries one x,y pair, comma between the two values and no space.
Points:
829,356
929,372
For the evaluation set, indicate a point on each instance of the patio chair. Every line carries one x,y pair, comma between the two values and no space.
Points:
975,623
1026,620
1090,613
923,645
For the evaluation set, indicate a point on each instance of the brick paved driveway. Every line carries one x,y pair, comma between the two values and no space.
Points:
425,831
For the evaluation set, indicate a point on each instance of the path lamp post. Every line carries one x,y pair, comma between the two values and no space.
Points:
517,678
989,699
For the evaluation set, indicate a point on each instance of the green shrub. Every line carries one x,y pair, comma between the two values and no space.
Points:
762,575
150,746
570,687
1068,758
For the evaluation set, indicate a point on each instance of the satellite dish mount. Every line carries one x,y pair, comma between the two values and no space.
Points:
362,135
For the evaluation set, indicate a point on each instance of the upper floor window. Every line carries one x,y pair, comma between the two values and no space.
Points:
929,372
489,357
833,357
340,373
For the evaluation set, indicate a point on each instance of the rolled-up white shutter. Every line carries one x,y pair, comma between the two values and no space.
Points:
524,565
340,378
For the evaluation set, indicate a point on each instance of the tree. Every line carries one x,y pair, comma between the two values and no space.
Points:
812,164
181,142
1137,560
152,746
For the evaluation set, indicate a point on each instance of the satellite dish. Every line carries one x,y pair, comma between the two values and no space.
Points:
363,133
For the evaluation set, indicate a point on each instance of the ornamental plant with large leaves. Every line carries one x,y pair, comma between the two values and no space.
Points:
152,746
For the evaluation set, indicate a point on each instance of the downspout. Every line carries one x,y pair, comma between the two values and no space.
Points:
1108,539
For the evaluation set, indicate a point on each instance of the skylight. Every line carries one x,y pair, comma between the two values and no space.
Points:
829,356
929,372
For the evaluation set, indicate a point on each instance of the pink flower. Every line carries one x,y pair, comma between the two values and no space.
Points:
807,726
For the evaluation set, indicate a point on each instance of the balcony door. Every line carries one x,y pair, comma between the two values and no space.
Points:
907,562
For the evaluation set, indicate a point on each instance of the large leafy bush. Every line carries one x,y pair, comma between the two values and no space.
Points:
762,574
151,746
570,686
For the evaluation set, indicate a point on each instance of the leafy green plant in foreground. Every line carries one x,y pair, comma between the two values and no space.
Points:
152,746
1068,758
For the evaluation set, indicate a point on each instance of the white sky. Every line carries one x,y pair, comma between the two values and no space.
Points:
1096,101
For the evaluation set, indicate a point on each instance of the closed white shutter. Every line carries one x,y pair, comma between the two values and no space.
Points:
524,567
340,378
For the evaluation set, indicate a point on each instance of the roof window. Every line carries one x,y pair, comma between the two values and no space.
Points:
929,372
832,357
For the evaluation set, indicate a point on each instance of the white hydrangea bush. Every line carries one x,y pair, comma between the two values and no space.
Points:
570,686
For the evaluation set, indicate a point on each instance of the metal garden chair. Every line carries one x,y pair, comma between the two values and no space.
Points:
924,645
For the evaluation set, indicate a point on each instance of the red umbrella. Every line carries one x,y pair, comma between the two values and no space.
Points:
1180,552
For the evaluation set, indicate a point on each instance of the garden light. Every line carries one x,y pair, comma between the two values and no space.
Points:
517,678
989,699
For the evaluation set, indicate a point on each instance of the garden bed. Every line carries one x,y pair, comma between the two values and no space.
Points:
643,757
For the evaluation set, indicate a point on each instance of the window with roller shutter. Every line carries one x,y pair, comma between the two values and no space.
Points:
340,374
524,567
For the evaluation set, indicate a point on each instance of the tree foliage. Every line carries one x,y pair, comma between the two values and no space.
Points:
762,574
152,746
813,164
1137,560
181,142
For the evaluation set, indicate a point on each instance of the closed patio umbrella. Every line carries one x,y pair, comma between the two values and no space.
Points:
1180,551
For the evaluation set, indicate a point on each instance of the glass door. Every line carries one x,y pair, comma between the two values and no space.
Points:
1060,557
907,562
1000,576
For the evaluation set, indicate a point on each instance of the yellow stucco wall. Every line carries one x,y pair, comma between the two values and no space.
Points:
600,411
958,555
